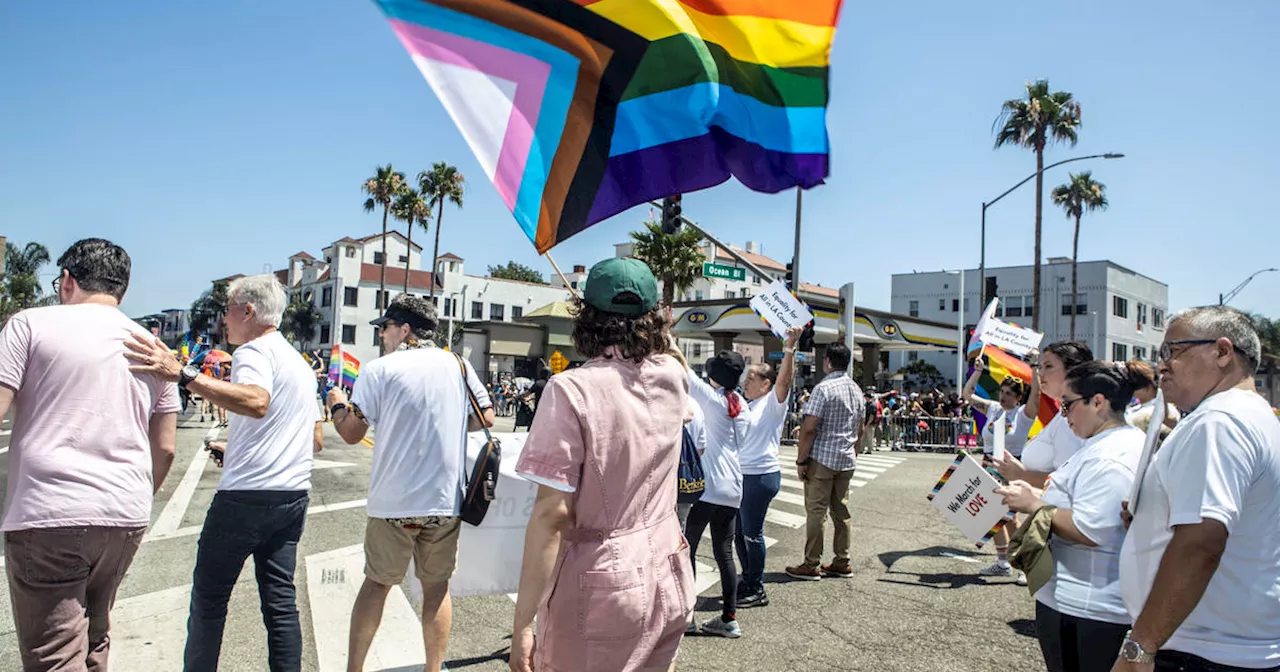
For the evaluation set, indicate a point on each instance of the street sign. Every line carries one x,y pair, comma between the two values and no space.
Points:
800,356
710,270
558,362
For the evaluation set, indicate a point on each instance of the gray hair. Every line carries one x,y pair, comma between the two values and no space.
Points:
264,293
1224,322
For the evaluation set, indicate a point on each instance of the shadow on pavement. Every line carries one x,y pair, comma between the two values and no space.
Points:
941,581
502,654
782,577
1023,626
887,559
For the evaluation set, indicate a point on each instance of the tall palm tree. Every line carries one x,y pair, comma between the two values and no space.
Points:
1078,196
1043,118
442,183
675,259
411,208
383,188
21,279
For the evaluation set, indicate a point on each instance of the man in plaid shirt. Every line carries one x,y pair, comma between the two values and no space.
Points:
825,460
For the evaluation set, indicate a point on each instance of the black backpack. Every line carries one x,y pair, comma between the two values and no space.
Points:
690,481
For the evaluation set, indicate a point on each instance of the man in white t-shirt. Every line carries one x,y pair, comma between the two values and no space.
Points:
92,442
1200,566
417,397
262,498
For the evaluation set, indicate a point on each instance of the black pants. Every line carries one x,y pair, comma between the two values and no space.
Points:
241,523
722,520
1177,661
1072,644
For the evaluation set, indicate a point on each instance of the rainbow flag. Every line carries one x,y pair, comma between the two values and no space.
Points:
1001,365
580,109
343,368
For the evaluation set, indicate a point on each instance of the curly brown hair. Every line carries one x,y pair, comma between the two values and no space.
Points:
636,338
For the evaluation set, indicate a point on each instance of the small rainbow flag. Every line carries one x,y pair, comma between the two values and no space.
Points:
343,368
580,109
1002,365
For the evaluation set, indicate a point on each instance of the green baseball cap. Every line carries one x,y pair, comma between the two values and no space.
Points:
622,286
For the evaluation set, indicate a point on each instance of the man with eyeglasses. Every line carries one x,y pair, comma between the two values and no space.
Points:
91,444
1200,566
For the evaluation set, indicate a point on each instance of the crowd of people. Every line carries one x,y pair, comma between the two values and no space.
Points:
1186,577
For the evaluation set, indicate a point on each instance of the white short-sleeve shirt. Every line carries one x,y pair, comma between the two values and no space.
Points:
418,407
272,452
760,449
1016,424
1052,447
1092,483
1222,462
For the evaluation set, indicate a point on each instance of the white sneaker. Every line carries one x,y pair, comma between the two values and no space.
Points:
996,569
1022,579
718,627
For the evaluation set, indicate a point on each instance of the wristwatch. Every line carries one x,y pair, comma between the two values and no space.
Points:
188,374
1133,652
333,410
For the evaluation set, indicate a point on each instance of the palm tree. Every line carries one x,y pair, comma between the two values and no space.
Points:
1041,119
21,287
385,185
300,321
675,259
412,209
1078,196
442,183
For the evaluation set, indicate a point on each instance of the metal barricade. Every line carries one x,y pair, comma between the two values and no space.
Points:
926,434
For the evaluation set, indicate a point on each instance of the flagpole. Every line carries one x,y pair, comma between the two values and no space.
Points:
560,273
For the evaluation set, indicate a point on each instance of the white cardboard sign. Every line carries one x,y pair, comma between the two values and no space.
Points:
1153,439
780,309
966,495
1017,340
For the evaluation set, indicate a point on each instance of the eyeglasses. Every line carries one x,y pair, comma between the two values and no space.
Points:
1068,403
1166,353
57,282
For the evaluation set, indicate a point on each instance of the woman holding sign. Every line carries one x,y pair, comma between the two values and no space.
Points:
1081,620
1056,443
1006,416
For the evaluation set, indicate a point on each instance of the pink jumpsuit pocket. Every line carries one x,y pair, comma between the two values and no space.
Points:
676,579
612,605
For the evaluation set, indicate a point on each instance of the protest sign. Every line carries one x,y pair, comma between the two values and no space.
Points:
780,309
1017,340
997,436
966,496
1153,440
975,341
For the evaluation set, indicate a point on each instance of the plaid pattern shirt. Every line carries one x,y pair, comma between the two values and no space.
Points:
839,403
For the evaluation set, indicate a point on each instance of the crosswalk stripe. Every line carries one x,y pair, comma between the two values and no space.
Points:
176,508
318,464
865,468
879,461
789,498
784,519
333,579
798,486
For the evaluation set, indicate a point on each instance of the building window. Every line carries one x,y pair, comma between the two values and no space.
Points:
477,310
755,279
942,304
574,284
377,337
324,333
349,334
1081,304
1157,318
913,308
326,297
1140,353
913,356
1119,352
955,305
1119,306
377,257
745,293
728,294
495,311
697,295
380,300
448,308
517,312
1142,314
404,258
1028,306
697,349
351,252
349,296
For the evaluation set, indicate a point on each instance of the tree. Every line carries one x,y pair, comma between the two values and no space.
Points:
1078,196
921,368
383,188
21,287
1045,117
410,207
442,183
1269,334
513,271
300,321
675,259
207,310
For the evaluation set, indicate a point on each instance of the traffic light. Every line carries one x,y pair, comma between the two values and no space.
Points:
790,278
991,291
671,214
806,339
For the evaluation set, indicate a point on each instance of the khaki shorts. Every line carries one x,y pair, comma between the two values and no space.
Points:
388,548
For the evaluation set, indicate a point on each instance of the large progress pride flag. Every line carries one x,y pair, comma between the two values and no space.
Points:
580,109
1002,365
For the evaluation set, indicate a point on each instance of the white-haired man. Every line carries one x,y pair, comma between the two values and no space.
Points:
262,498
417,396
1200,565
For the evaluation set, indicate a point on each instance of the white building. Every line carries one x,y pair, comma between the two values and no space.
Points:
1120,313
343,285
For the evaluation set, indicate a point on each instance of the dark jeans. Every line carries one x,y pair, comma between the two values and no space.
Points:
242,523
758,492
1072,644
1177,661
721,519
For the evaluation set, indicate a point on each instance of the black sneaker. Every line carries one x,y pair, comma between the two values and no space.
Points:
756,599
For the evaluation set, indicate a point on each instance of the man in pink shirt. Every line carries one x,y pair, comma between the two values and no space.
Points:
91,444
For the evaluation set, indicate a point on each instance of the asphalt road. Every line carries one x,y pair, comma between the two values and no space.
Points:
915,602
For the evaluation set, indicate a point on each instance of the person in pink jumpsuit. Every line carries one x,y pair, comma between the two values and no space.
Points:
606,568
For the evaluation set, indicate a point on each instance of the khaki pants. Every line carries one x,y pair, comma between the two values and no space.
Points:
826,490
63,582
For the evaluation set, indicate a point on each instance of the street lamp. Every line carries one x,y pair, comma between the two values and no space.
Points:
982,263
959,330
1224,300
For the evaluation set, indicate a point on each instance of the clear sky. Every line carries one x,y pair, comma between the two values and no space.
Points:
220,137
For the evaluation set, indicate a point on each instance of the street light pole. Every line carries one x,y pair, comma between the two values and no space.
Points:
1224,300
982,263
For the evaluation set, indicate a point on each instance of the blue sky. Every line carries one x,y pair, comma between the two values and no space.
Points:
218,138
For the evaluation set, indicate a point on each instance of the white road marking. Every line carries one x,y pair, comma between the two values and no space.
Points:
317,463
784,519
961,557
338,506
333,580
864,468
176,508
789,498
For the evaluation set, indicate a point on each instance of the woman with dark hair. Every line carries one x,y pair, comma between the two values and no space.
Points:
606,569
1055,444
1081,620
